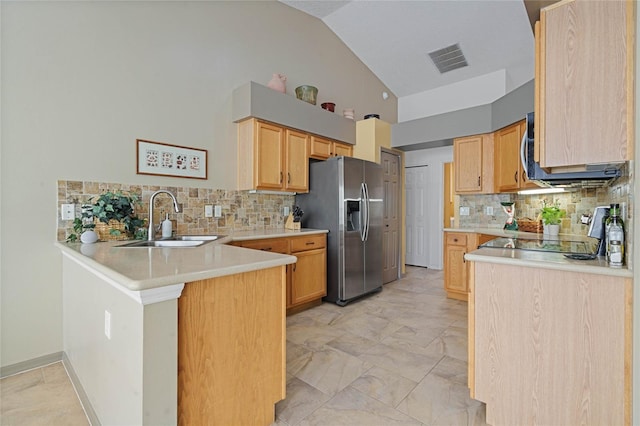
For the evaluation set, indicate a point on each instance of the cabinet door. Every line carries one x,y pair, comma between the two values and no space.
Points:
309,276
269,156
467,158
343,149
507,167
320,148
456,270
587,87
296,175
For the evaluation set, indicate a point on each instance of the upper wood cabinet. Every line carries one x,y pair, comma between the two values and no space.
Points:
323,148
473,164
272,157
585,83
509,174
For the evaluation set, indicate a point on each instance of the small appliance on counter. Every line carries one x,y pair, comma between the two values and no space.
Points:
597,229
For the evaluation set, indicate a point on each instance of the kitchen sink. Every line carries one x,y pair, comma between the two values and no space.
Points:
180,241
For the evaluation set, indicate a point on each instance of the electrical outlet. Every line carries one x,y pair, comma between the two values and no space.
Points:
286,211
464,211
107,324
208,210
68,211
217,211
488,210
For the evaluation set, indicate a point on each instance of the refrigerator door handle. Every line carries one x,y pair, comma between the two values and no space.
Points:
363,215
366,212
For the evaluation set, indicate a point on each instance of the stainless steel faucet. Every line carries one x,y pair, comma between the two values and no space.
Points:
151,231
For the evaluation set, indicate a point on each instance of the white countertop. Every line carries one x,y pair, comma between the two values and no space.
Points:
538,259
140,268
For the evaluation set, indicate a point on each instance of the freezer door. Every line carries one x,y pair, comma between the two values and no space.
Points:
354,211
375,213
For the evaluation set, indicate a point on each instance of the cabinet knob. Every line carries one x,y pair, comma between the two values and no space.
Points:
266,249
455,240
288,177
309,243
280,177
478,180
515,176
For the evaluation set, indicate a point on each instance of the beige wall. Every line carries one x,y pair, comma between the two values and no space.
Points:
82,80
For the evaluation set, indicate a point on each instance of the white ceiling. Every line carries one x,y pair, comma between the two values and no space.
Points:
393,38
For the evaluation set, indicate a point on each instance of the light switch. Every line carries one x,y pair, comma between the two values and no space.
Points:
208,210
464,211
217,211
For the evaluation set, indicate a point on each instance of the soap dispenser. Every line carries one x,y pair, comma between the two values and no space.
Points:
166,227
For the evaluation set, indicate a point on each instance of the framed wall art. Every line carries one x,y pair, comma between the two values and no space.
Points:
157,158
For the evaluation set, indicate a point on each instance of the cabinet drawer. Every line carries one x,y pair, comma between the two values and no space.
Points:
276,245
308,243
456,239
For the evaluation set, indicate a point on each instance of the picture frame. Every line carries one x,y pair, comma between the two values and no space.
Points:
163,159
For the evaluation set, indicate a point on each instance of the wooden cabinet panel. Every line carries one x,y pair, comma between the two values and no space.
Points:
343,149
509,174
297,157
269,158
231,349
585,113
456,269
473,164
308,243
322,148
306,279
309,276
272,157
275,245
559,338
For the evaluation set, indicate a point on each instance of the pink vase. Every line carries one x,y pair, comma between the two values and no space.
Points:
277,83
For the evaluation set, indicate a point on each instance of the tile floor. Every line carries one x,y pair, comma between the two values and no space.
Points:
397,357
42,396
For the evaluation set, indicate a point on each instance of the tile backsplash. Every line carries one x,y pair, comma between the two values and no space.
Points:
241,210
576,203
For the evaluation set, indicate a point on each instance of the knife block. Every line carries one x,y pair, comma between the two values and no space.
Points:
290,224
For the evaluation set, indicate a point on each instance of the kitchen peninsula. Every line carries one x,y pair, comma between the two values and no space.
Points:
168,335
550,339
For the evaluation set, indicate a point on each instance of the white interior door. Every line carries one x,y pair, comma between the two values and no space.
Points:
416,220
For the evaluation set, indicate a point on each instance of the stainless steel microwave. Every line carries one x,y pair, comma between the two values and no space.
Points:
593,176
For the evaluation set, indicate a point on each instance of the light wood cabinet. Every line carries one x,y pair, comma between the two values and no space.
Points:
585,83
473,164
550,347
272,157
509,175
456,269
307,278
231,349
323,148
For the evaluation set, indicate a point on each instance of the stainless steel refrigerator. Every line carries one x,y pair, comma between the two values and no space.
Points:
346,197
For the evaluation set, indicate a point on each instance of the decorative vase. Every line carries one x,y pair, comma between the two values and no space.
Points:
88,237
307,94
329,106
277,83
510,210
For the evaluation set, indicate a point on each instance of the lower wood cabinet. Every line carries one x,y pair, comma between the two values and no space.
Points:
550,347
231,349
456,269
307,278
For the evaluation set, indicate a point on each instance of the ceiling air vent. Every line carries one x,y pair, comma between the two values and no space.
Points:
449,58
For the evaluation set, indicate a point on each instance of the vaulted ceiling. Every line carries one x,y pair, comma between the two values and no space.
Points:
394,38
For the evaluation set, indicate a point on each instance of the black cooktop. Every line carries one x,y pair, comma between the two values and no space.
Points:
549,245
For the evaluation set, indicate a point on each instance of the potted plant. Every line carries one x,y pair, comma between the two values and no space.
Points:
112,216
551,215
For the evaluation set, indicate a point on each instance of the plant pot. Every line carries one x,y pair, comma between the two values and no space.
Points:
307,94
114,231
551,229
277,83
